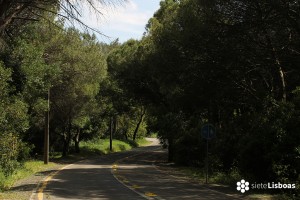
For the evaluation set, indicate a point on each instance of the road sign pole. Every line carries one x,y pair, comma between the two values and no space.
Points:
208,132
206,178
206,174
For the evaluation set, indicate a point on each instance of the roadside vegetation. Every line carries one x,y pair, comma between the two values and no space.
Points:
101,147
47,67
29,168
89,149
225,183
233,64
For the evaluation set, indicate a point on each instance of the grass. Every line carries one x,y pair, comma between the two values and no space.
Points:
218,178
263,196
142,142
222,180
152,135
101,146
30,167
88,149
138,142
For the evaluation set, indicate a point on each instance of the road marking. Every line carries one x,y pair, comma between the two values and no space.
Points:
44,184
131,188
147,195
115,166
41,186
136,186
150,194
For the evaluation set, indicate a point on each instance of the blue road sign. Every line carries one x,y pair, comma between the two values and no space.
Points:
208,131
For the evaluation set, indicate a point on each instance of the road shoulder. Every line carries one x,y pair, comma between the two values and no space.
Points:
23,189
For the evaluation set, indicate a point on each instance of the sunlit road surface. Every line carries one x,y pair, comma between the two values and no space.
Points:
130,175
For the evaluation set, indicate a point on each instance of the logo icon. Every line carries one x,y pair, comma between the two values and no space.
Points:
242,186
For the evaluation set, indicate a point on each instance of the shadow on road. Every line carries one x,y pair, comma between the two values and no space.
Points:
93,179
139,172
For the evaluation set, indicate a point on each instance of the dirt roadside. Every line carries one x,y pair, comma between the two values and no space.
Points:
23,189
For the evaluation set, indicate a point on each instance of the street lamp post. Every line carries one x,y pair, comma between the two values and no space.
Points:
46,135
110,133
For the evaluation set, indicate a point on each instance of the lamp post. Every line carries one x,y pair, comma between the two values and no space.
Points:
46,135
110,133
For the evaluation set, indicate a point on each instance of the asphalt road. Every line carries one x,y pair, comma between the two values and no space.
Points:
130,175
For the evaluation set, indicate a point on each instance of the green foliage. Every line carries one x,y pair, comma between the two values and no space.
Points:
13,123
12,152
152,135
69,64
271,141
13,111
227,178
9,154
101,146
233,64
29,168
223,63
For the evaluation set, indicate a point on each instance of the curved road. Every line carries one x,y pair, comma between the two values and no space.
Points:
129,175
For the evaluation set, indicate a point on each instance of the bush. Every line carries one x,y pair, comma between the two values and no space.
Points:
12,151
229,178
2,179
272,141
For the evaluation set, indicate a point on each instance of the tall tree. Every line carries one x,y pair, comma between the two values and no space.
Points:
71,65
13,10
229,63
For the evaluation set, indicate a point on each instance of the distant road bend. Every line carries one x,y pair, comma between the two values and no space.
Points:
130,175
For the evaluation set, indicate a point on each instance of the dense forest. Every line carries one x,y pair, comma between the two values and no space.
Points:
234,64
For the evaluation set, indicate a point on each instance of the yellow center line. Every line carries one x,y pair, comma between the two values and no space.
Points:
150,194
40,191
126,182
115,166
136,186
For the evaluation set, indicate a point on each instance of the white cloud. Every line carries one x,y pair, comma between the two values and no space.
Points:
128,19
119,21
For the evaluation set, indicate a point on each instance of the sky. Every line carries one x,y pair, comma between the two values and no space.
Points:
122,21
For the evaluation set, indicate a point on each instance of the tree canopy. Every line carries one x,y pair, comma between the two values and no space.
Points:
232,64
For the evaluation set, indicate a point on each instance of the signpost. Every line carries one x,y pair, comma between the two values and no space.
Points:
208,132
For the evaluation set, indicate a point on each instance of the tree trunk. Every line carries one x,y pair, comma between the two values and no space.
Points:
115,124
138,124
279,69
7,17
76,141
67,140
125,134
282,78
170,150
65,145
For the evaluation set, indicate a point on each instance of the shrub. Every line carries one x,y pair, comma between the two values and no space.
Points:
12,151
